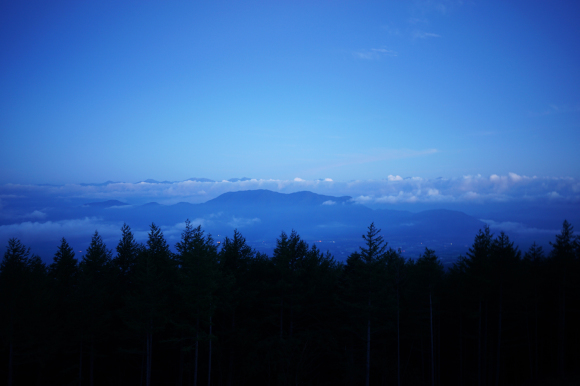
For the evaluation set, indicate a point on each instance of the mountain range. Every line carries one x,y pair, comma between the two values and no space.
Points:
332,223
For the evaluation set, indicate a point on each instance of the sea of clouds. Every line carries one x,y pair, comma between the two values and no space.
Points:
390,190
30,212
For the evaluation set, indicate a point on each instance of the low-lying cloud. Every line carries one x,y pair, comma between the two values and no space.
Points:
54,230
240,222
389,190
517,227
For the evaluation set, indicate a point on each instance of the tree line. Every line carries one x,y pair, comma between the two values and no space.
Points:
223,314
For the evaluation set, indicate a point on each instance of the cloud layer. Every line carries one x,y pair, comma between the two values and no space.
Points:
391,190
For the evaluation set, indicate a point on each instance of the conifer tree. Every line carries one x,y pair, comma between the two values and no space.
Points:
363,285
429,276
287,259
198,281
505,260
235,259
39,307
303,281
397,277
534,283
147,303
95,284
127,251
562,259
64,276
458,297
14,285
64,269
122,270
478,269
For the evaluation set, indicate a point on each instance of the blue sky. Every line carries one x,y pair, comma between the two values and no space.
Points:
94,91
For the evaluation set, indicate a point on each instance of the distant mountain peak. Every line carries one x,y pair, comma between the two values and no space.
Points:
99,184
106,204
152,181
199,179
268,197
152,203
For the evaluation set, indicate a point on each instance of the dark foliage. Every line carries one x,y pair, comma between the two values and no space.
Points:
224,314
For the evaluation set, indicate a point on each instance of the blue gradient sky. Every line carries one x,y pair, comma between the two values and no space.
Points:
94,91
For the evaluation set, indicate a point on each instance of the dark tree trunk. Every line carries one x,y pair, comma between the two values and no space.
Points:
143,361
432,351
92,366
497,370
281,318
232,352
485,353
536,342
149,357
460,348
181,360
209,359
368,367
479,356
81,363
530,344
291,320
562,332
39,374
439,351
10,363
422,358
196,352
398,341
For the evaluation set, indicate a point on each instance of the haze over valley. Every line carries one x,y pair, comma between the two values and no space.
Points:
413,213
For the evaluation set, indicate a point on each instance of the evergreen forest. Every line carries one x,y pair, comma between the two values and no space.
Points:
223,314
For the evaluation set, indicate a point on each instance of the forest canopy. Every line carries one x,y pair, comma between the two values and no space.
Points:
221,313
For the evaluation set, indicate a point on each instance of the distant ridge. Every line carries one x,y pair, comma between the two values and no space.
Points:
106,204
99,184
151,181
268,197
200,179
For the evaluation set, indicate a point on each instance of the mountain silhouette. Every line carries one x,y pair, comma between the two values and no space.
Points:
106,204
262,197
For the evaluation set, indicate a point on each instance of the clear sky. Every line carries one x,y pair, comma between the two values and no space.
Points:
93,91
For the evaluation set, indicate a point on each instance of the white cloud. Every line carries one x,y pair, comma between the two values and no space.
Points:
329,202
194,223
374,53
37,214
471,196
54,230
515,177
239,222
425,35
384,51
401,197
392,188
557,109
516,227
362,199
